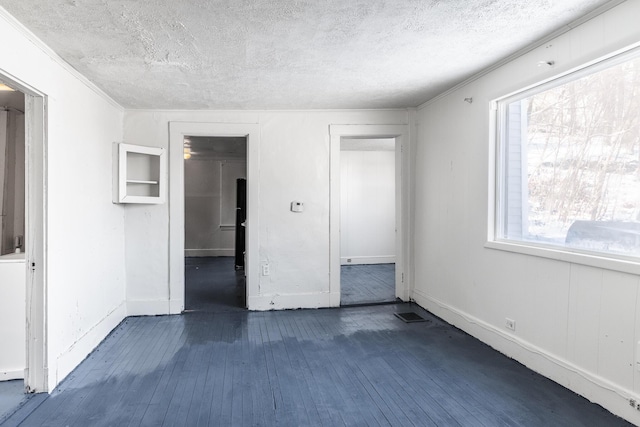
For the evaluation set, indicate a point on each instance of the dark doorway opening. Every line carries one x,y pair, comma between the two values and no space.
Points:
212,284
215,171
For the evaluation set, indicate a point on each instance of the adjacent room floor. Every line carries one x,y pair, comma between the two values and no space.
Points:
12,396
367,284
346,366
213,284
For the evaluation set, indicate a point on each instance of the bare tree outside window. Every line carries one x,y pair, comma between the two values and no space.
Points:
572,174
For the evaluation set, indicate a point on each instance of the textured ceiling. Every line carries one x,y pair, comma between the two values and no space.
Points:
286,54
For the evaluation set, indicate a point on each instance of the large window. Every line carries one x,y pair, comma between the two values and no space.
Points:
569,161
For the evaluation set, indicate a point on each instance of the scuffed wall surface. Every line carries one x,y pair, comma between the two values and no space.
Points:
85,238
294,165
577,324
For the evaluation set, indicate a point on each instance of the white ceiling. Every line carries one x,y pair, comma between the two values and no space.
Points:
287,54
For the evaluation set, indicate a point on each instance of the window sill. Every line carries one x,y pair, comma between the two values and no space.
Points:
574,257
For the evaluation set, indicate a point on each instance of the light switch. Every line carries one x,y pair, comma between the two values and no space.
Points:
297,206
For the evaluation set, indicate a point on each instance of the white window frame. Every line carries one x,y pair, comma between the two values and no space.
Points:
610,261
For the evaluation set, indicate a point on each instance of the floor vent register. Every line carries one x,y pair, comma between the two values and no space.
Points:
410,317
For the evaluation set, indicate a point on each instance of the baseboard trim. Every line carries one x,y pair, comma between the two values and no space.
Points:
209,252
147,307
12,375
78,351
587,384
176,306
290,301
334,299
363,260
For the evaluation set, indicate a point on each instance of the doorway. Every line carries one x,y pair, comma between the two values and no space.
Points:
22,235
355,135
12,258
367,221
215,171
177,133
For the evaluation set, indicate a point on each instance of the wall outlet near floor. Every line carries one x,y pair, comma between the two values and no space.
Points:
510,323
266,270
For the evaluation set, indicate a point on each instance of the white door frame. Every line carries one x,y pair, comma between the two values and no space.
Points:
177,132
36,366
401,135
36,374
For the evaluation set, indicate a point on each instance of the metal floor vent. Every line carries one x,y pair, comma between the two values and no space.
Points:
409,317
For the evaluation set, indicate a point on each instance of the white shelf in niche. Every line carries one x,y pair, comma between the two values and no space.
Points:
138,181
140,174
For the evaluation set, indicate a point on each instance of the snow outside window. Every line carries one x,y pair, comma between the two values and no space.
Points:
569,161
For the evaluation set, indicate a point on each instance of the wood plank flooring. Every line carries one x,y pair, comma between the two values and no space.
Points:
12,396
212,284
367,284
353,366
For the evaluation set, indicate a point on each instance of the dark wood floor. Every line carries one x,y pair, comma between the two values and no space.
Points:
212,284
348,366
12,396
367,284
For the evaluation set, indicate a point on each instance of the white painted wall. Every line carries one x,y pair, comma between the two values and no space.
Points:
577,324
85,239
295,245
210,205
12,316
367,207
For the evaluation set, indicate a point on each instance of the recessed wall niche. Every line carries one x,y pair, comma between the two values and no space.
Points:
140,174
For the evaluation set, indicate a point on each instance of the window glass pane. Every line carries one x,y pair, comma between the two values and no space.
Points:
571,163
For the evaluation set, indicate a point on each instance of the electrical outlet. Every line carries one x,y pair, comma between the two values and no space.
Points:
266,270
510,324
632,403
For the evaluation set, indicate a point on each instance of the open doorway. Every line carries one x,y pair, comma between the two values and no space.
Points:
12,257
177,132
367,220
22,234
215,171
357,136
